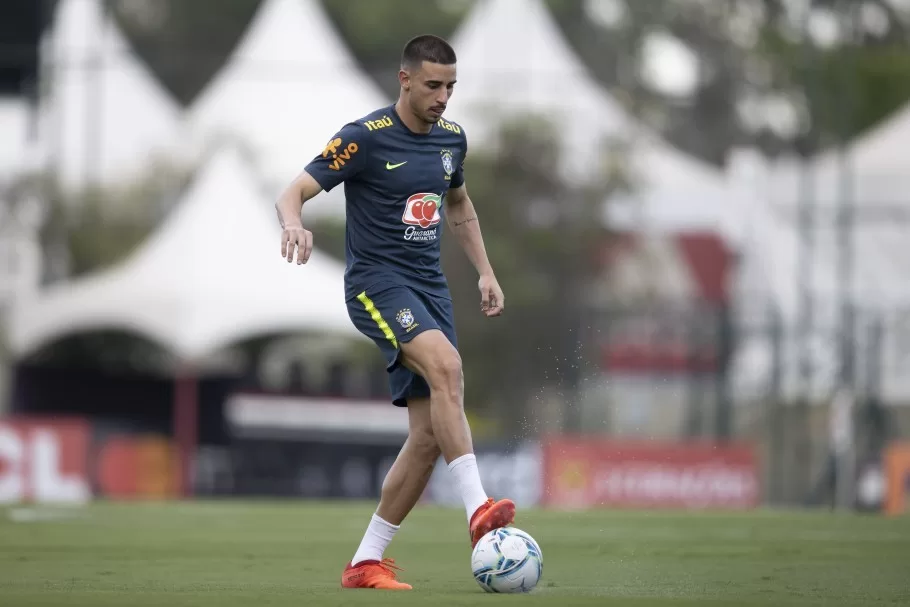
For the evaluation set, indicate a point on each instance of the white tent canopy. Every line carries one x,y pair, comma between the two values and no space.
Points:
513,59
289,86
105,116
879,160
871,175
212,274
874,179
884,149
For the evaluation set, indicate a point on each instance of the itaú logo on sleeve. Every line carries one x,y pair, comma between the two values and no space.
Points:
422,211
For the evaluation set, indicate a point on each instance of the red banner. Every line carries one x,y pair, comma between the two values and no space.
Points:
585,473
137,467
897,477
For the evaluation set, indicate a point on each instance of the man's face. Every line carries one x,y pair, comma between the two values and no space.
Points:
430,88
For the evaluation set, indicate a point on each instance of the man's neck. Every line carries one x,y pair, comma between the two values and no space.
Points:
411,121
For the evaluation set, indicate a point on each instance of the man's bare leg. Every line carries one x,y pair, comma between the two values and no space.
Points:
403,484
409,475
401,489
433,356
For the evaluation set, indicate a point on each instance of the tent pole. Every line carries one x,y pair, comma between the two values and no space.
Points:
186,416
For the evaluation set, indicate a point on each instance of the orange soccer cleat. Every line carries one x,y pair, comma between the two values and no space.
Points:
492,515
373,574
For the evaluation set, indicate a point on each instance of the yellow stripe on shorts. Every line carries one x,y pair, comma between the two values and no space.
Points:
377,318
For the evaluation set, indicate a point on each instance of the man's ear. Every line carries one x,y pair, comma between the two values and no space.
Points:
404,79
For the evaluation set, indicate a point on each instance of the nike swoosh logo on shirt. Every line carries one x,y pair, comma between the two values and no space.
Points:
390,166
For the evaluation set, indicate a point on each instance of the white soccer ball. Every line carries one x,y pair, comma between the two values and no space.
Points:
507,560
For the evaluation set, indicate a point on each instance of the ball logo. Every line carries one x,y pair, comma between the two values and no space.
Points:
422,210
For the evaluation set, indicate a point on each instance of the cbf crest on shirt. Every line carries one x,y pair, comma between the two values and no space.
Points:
395,185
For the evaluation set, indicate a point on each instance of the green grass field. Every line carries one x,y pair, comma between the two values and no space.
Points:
215,554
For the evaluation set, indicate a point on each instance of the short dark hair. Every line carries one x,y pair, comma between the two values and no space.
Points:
427,48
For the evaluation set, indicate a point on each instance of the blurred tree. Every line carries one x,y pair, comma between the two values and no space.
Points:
757,77
98,227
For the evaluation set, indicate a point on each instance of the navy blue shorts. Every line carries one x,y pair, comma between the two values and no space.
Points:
392,314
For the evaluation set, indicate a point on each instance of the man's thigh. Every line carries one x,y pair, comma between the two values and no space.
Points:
390,316
432,346
394,317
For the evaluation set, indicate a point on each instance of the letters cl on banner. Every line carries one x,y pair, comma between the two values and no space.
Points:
44,461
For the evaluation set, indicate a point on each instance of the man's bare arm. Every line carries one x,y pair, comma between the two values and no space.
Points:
462,219
289,205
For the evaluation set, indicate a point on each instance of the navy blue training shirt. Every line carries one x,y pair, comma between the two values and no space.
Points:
395,184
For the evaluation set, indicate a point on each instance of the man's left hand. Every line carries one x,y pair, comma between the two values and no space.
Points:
492,301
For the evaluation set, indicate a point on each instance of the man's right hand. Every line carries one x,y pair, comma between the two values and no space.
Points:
299,238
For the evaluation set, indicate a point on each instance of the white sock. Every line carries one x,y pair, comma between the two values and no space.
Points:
377,538
467,478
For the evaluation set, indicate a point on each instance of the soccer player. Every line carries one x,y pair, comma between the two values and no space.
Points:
403,172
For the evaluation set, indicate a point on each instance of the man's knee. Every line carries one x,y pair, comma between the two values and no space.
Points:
433,356
446,370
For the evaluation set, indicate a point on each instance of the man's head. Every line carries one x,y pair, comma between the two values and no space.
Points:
427,76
